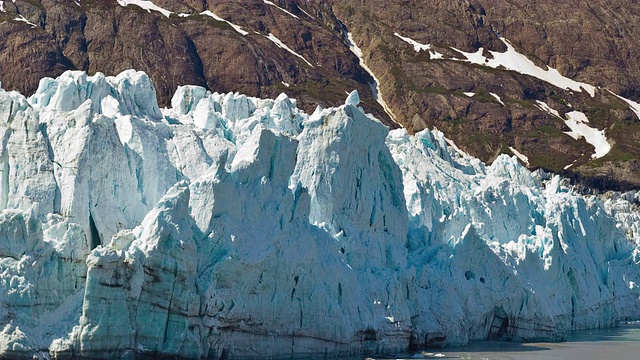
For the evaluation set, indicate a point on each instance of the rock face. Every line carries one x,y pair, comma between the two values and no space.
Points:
303,48
237,227
457,97
199,49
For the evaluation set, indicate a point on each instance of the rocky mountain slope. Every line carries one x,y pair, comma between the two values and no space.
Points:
303,48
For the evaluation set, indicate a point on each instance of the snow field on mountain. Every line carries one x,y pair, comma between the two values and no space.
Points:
146,5
513,60
235,27
519,155
281,9
281,45
2,5
420,47
242,226
577,122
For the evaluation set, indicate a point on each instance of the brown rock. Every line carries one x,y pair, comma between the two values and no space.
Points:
590,41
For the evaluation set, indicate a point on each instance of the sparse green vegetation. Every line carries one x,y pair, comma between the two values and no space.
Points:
524,103
483,144
547,130
615,156
482,95
558,99
431,90
549,160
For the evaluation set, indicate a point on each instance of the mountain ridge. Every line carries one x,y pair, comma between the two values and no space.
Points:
314,64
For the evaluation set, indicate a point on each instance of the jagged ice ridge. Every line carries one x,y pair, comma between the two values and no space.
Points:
236,226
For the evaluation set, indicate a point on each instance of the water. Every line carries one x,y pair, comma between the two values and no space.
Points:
622,342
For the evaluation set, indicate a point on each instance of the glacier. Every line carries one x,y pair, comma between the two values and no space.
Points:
234,227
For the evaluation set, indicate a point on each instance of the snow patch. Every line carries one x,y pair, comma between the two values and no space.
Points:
469,94
546,108
24,20
416,45
514,61
522,157
375,85
2,8
577,122
281,45
234,26
497,98
306,13
434,55
420,47
635,107
272,4
146,5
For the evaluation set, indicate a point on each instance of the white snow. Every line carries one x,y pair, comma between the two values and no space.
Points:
234,26
281,45
545,107
375,86
354,48
2,8
514,61
284,10
497,98
577,122
246,226
420,47
522,157
146,5
285,83
24,20
434,55
306,13
416,45
635,107
469,94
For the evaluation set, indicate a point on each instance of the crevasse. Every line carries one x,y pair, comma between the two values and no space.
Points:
243,227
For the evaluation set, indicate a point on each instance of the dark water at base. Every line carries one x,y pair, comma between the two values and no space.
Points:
622,342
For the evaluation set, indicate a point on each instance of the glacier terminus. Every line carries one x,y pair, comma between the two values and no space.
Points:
235,227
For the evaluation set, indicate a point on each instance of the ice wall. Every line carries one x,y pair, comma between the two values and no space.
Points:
242,227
